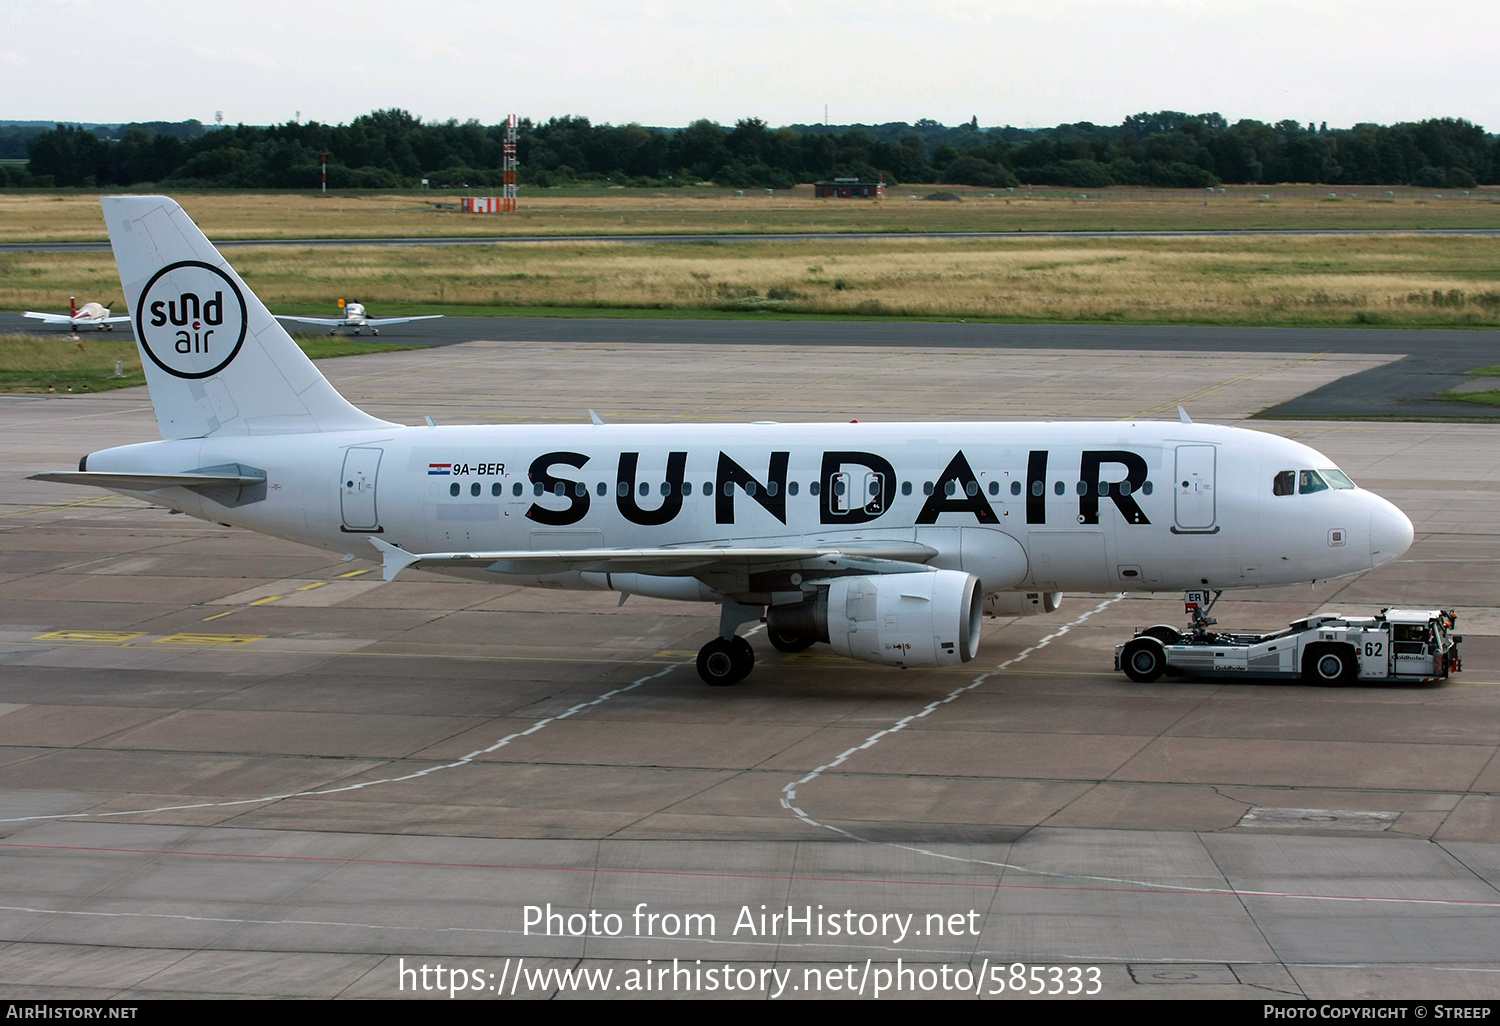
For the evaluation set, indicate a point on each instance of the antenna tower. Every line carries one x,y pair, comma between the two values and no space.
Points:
508,198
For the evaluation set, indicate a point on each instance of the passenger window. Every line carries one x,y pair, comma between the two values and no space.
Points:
453,488
1060,488
950,487
474,489
1082,488
772,489
749,488
687,488
645,489
994,487
561,488
496,488
926,487
813,488
666,488
1036,488
1015,488
1309,481
1285,483
791,489
580,489
905,487
1146,488
515,489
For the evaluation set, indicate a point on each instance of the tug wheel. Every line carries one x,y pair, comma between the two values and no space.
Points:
1143,660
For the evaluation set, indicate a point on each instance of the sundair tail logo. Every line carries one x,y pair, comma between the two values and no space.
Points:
191,319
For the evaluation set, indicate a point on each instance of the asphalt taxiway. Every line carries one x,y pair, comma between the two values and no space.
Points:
231,765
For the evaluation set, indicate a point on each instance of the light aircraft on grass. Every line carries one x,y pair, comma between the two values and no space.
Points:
89,315
886,541
356,318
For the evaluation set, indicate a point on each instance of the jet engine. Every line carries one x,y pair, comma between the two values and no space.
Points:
916,619
1022,603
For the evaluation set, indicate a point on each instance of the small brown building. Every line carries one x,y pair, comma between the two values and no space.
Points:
849,188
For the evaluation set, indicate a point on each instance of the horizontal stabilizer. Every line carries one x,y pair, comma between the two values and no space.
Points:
149,482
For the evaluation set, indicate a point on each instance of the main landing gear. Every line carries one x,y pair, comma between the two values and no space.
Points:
728,659
725,661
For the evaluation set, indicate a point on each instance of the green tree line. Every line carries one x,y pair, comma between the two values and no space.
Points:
391,149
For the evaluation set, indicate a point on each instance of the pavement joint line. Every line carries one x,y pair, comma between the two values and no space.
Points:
456,764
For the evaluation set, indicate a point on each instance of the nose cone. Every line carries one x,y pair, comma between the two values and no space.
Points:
1391,533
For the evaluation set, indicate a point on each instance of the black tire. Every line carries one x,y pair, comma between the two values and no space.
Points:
1164,633
725,661
744,656
1143,660
789,642
1330,666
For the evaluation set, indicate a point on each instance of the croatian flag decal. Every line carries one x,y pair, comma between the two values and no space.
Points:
439,469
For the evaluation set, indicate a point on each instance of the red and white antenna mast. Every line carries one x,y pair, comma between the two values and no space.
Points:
508,198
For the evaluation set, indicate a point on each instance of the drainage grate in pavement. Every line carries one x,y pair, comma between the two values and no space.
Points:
1319,819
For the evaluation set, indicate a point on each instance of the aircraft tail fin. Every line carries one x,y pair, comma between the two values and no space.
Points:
216,361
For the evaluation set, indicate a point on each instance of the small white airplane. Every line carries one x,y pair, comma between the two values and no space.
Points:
886,541
89,315
356,318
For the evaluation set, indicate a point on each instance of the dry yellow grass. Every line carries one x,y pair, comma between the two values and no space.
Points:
1236,280
35,217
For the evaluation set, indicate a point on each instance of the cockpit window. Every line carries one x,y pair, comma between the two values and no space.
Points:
1285,483
1337,478
1311,481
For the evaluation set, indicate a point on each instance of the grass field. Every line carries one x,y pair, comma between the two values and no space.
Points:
75,216
1396,281
29,363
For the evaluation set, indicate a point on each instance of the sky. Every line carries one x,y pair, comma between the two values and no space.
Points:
666,63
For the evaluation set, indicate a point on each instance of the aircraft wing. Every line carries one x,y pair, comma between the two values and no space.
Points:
327,322
875,557
376,322
48,318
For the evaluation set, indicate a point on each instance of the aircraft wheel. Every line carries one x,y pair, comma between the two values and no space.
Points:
374,331
789,642
725,661
1143,660
1163,633
1329,665
335,331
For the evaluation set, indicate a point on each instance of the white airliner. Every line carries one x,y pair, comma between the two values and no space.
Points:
355,317
89,315
886,541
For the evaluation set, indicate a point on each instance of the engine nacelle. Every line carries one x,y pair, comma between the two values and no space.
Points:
1022,603
918,619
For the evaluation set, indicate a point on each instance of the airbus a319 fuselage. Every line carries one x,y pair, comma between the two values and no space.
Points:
885,540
